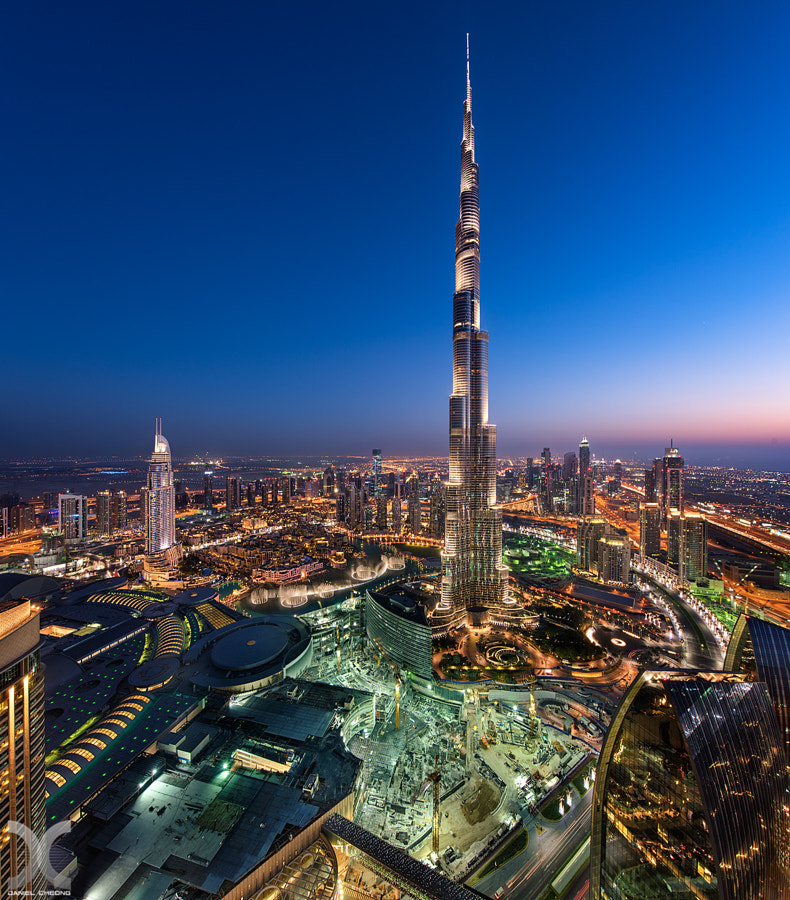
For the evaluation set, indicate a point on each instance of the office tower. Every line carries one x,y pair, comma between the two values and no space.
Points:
569,465
328,483
251,494
588,533
232,493
391,485
285,488
376,472
473,574
22,792
4,527
397,522
658,484
73,516
159,501
650,486
274,492
650,530
671,480
690,795
340,507
50,500
111,512
413,504
614,559
381,511
437,501
208,490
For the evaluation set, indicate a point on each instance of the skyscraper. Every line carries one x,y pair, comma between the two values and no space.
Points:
649,530
232,493
414,508
22,793
376,472
158,500
671,480
208,490
473,574
110,511
73,516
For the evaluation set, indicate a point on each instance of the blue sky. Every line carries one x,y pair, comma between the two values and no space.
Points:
240,217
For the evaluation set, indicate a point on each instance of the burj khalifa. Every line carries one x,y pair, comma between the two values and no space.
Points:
474,578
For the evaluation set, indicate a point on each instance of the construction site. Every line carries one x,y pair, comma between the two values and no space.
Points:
449,780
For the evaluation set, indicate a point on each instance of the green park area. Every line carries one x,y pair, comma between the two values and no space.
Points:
711,594
536,559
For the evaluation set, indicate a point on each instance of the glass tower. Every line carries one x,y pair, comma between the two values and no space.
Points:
690,798
473,575
160,498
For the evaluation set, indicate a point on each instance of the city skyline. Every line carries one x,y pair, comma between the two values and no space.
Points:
636,224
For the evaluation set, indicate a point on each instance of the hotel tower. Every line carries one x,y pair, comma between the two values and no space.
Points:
474,579
158,503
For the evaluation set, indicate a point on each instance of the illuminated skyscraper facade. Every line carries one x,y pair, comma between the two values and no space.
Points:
473,575
159,499
22,793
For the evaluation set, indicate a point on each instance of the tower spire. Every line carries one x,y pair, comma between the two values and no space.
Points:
468,80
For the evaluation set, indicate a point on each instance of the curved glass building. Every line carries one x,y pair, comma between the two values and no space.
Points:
398,627
762,651
473,574
691,794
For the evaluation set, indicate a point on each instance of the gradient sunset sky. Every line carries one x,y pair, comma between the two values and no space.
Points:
240,217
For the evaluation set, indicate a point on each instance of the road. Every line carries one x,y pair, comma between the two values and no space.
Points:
528,875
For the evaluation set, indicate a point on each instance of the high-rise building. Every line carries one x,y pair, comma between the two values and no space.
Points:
587,481
589,532
690,795
285,488
159,501
473,574
584,456
208,490
22,793
569,465
413,504
687,544
381,511
614,559
397,521
232,493
650,486
251,493
671,480
650,530
73,516
376,472
111,512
